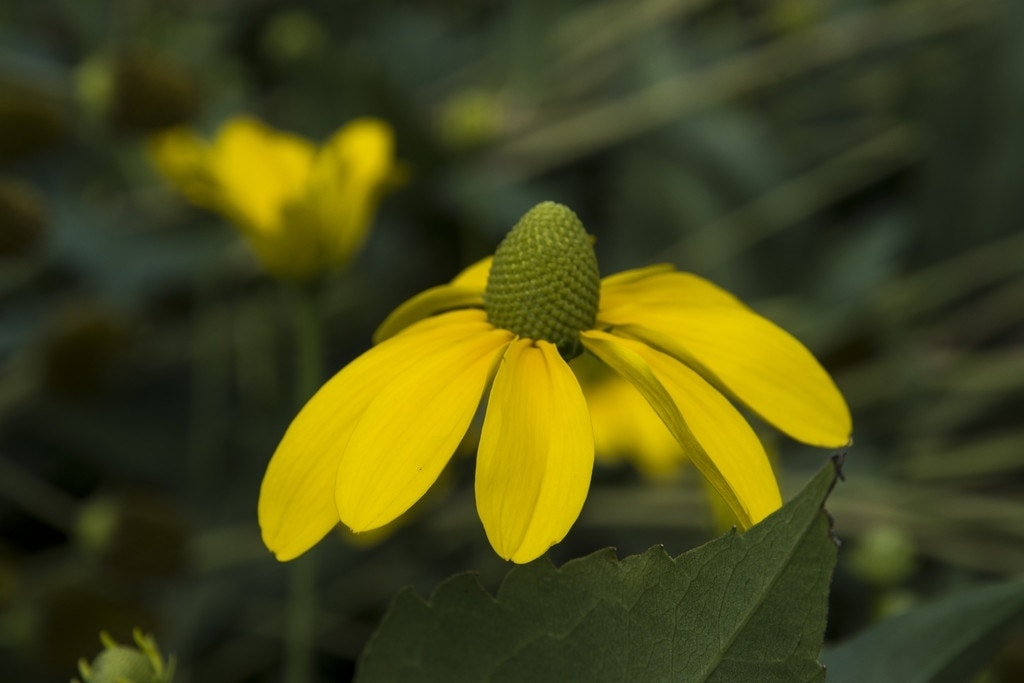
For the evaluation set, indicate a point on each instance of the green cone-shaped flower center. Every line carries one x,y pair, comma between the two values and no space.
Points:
544,282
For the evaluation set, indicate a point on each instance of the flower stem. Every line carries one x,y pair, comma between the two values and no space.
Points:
300,635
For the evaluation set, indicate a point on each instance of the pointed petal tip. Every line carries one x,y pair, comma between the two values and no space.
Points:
351,521
526,558
840,442
281,554
285,544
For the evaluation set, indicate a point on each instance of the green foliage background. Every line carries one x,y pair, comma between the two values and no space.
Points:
851,168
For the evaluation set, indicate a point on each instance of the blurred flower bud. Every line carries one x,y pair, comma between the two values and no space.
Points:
137,91
894,602
94,85
791,16
124,664
80,349
23,218
141,536
470,118
30,122
883,556
292,35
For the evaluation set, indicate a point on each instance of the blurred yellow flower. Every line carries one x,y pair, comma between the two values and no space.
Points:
625,427
302,209
375,437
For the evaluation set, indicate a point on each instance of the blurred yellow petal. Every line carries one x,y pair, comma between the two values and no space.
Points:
347,181
418,413
181,156
736,349
536,452
296,505
626,426
464,291
259,170
712,433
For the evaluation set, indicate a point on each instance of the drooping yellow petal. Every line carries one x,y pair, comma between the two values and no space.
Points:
346,183
742,353
712,433
411,426
259,171
464,291
760,364
536,452
297,497
625,426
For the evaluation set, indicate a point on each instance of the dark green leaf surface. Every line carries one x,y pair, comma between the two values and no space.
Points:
741,608
947,641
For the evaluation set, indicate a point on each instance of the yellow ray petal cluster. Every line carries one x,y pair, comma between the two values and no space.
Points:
371,442
302,208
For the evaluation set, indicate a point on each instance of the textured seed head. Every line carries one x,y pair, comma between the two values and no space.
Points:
544,282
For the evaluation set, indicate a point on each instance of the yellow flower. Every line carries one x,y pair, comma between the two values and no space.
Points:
302,209
374,438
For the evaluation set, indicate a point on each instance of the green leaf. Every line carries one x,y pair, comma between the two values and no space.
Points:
946,641
740,608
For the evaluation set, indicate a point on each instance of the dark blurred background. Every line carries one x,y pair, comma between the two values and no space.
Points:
854,169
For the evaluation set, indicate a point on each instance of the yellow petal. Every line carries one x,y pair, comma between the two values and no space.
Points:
737,350
712,433
758,363
658,286
475,276
425,304
466,290
536,452
346,183
259,170
625,277
297,497
417,415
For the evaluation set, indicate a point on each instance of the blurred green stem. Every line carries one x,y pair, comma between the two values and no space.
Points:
300,633
210,387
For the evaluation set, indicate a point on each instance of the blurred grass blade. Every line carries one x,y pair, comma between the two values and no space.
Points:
947,641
